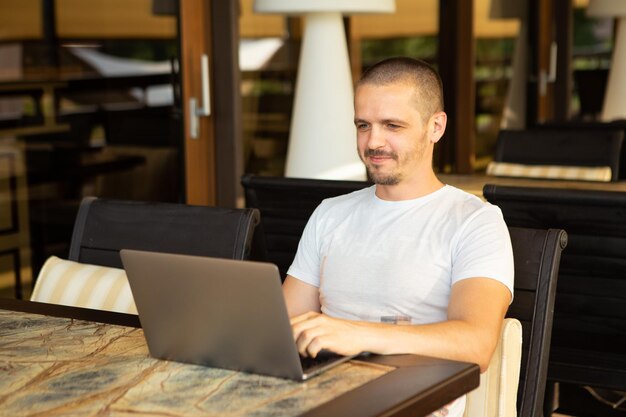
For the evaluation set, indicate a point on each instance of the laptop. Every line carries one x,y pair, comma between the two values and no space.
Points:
217,312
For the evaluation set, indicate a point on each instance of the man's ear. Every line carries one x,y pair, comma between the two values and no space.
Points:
437,126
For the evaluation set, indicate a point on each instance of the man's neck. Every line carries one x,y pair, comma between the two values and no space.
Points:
410,188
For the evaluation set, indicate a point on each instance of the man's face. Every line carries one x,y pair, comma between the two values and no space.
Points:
391,135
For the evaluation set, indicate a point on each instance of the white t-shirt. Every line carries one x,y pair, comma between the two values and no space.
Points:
373,259
377,260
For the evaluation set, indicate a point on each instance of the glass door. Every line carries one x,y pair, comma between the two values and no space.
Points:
90,105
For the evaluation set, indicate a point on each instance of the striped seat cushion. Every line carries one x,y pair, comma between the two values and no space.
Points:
556,172
82,285
497,393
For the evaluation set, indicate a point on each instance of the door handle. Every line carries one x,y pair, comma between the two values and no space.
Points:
550,76
203,109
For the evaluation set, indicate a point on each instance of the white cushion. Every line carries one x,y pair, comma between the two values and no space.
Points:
82,285
555,172
497,394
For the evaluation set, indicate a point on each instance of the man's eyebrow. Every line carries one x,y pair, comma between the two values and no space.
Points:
394,121
384,121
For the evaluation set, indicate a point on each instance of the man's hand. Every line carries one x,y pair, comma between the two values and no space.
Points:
315,331
477,307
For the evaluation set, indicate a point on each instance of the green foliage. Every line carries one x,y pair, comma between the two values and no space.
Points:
422,47
587,32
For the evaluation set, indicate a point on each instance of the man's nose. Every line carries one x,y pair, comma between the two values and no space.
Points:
376,138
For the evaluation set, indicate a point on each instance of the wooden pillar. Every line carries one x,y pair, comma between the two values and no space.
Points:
228,111
539,103
456,151
49,31
195,27
213,155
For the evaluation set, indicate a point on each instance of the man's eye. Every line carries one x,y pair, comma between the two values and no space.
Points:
362,126
392,126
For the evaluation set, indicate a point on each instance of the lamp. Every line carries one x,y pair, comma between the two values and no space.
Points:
322,139
614,106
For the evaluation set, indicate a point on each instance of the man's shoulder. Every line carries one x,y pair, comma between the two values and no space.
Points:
466,205
459,198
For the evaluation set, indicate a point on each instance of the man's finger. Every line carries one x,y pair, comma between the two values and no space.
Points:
307,340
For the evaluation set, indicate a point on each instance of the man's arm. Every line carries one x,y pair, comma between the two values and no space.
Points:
475,313
300,296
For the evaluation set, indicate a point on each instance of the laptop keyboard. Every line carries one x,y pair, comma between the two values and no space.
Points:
321,359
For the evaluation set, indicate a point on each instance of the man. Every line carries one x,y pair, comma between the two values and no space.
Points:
408,250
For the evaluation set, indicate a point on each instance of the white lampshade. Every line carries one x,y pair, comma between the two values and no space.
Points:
322,137
606,8
309,6
614,106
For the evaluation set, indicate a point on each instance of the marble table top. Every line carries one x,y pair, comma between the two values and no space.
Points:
61,366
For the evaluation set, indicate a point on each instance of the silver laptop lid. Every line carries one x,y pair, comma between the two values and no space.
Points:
216,312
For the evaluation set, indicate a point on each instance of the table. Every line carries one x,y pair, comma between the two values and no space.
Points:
474,183
47,93
59,360
43,95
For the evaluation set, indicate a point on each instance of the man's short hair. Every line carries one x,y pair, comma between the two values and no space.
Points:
413,71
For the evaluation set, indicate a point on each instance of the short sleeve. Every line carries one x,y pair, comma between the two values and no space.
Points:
306,264
483,248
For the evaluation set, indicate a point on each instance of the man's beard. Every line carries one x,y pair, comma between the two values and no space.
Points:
379,177
383,179
395,177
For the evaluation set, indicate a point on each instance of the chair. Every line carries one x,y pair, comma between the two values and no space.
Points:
537,254
591,86
103,227
496,396
589,329
83,285
591,155
93,276
14,212
285,205
591,128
